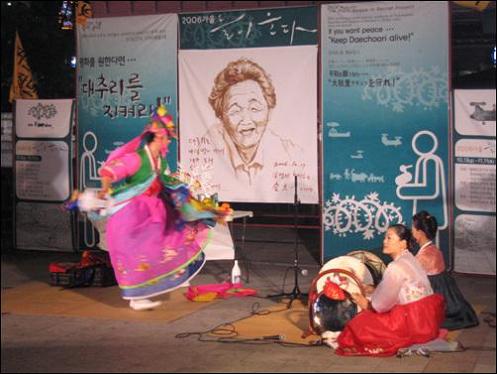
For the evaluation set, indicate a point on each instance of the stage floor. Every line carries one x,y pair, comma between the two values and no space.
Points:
92,330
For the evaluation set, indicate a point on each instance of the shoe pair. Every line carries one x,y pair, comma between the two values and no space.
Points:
143,304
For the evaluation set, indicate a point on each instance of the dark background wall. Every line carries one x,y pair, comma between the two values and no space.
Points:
473,32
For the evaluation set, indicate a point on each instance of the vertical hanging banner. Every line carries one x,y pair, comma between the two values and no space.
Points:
385,120
126,67
43,174
474,181
23,86
248,93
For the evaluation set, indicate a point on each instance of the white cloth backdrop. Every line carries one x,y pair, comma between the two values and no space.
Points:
293,122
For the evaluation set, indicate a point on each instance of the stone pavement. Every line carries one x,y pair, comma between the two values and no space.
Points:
71,344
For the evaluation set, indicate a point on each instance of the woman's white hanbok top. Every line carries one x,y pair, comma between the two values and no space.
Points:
404,281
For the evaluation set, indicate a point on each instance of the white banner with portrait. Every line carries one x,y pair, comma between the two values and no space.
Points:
248,122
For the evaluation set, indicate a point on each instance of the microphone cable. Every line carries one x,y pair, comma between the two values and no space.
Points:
226,333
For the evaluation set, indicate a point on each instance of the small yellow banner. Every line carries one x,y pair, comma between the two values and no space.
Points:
478,5
22,79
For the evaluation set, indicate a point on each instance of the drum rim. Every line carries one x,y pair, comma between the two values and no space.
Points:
355,265
311,299
368,254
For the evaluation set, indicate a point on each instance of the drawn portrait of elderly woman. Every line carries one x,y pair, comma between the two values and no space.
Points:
245,147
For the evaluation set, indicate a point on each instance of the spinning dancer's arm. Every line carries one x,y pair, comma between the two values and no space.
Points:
117,170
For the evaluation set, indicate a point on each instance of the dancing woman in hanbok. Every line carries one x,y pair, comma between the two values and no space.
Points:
403,309
156,230
458,313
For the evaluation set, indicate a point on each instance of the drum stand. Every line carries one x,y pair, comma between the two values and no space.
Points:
296,293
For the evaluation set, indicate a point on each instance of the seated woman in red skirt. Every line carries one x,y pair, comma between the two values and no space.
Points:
403,309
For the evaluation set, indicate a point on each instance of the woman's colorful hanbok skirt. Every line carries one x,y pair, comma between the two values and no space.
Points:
383,334
152,254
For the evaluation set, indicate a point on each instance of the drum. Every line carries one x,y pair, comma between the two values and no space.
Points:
347,282
330,303
375,265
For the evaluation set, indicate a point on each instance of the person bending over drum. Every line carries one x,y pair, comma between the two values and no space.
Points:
403,309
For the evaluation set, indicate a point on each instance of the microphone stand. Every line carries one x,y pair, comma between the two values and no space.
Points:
296,293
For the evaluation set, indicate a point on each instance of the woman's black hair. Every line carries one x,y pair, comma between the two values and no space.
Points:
403,233
425,222
148,137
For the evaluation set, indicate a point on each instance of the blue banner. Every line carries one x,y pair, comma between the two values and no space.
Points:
126,67
385,120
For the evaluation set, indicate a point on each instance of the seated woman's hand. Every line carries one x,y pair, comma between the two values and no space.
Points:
368,289
360,300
